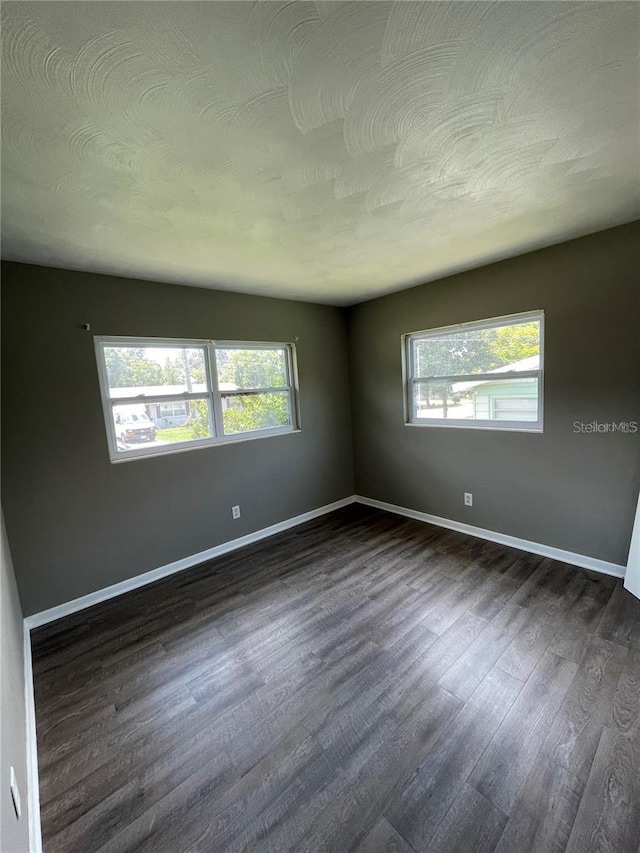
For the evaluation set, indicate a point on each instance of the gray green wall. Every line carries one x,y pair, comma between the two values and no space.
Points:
14,833
571,491
76,522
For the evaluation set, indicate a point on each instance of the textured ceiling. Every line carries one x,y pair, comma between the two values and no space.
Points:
326,151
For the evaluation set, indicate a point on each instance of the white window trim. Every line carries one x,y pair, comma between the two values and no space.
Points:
212,394
408,381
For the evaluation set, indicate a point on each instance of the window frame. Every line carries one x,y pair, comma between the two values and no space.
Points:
409,381
212,393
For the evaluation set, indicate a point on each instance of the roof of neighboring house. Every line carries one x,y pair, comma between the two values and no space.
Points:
530,363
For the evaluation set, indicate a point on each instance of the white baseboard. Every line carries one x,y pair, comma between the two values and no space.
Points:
53,613
69,607
89,600
580,560
33,787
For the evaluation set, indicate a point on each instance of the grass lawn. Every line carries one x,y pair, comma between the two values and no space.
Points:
179,433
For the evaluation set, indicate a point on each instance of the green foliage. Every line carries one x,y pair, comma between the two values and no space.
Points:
478,351
263,411
199,419
128,367
252,368
171,373
184,368
455,354
513,343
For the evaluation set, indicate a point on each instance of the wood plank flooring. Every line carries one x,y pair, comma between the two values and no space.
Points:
361,683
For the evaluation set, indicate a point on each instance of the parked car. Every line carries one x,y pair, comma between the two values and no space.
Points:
134,426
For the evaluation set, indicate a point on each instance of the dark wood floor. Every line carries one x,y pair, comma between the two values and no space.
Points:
364,682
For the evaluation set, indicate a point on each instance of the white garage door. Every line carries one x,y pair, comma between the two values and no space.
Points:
515,408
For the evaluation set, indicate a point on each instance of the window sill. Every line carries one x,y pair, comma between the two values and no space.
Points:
508,426
153,453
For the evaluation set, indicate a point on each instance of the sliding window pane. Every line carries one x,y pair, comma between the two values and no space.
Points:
190,421
150,371
502,348
139,424
250,412
498,399
251,368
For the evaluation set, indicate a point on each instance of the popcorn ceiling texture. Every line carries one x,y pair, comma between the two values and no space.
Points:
324,151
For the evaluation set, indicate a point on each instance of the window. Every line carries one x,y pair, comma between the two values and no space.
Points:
173,410
486,374
161,396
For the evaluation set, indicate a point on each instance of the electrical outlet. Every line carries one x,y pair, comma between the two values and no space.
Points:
235,512
15,793
468,499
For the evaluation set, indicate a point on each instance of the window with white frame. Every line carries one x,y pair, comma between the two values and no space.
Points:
161,396
173,410
486,374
